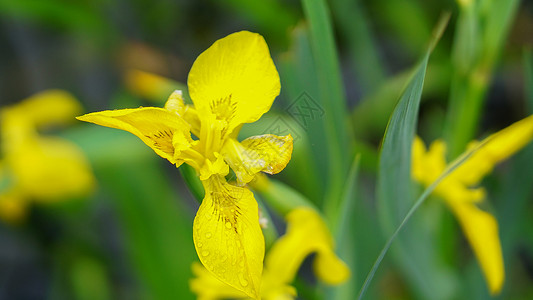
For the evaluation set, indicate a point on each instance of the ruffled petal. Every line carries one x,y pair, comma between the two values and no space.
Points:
227,236
156,127
235,79
306,233
265,153
481,230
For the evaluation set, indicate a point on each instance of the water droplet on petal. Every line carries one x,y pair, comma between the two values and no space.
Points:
208,235
205,253
228,225
242,280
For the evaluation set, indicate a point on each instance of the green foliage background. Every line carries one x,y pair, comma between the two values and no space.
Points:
356,60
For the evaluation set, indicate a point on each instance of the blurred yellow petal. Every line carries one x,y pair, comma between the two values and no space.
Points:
481,230
47,107
265,153
51,169
418,159
227,236
154,126
235,79
498,147
148,85
13,207
306,233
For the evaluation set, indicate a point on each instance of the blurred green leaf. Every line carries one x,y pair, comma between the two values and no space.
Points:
528,75
355,29
481,30
332,98
81,17
273,17
300,83
414,249
155,222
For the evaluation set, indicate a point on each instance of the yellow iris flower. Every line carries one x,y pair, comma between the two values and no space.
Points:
233,82
306,233
35,167
461,192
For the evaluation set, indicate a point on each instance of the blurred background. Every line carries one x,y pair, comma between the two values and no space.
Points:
130,237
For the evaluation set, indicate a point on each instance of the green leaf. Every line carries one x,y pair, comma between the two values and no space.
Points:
414,251
332,98
156,225
355,28
481,30
528,74
300,83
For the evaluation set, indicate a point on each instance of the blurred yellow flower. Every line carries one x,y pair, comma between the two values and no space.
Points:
39,168
231,83
306,233
461,192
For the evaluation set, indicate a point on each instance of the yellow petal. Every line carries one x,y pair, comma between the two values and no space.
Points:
148,85
13,207
234,79
227,236
265,153
206,286
51,169
154,126
481,230
498,147
306,233
47,107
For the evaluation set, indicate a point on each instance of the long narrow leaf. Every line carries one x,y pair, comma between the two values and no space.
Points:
414,252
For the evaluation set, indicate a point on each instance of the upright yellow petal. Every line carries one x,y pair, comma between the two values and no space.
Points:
156,127
498,147
227,236
234,79
306,233
481,230
265,153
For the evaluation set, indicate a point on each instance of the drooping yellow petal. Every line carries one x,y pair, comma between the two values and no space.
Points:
47,107
156,127
235,79
306,233
227,236
265,153
208,287
481,230
50,169
497,148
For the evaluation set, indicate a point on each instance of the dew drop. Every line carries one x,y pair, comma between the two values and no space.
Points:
205,253
242,280
228,225
208,235
200,245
